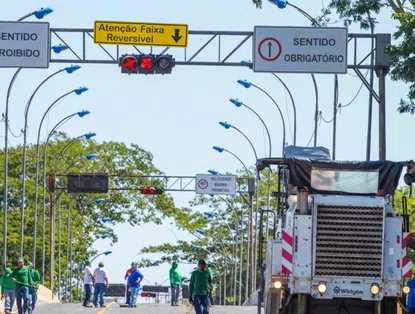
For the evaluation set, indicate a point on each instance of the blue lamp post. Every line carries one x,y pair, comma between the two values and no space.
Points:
200,231
40,14
59,48
213,172
106,219
282,4
208,214
221,150
99,200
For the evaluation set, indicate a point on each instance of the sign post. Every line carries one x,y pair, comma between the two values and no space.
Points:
215,184
300,49
140,34
24,44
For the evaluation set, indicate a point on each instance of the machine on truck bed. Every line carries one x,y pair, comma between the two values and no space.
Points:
339,245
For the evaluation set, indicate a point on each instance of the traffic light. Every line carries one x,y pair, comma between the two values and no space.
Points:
151,190
147,64
148,295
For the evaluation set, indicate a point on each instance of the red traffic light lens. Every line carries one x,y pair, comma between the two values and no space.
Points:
129,63
152,191
144,190
146,63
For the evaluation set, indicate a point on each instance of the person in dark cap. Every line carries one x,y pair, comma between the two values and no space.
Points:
35,285
88,280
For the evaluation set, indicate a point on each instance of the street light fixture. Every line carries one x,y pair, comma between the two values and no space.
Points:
221,150
214,172
208,214
104,220
200,231
59,48
99,201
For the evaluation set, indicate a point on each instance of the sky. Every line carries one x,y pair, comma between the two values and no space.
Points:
176,116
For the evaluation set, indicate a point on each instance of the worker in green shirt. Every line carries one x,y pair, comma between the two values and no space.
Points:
35,282
200,284
8,290
175,282
21,277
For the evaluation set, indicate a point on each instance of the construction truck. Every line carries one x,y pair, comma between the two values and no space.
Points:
338,245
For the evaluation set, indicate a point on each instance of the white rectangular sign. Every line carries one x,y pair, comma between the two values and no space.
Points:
215,184
300,49
24,44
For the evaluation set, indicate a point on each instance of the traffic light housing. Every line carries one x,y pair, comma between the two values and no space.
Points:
146,64
151,190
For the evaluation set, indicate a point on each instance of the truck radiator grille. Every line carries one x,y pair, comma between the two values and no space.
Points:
349,241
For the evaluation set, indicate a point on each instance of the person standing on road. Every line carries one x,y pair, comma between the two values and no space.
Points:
127,274
35,285
175,282
200,284
8,288
21,277
134,281
212,301
100,284
88,281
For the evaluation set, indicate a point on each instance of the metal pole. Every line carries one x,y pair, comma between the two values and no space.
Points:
370,109
241,261
232,268
316,110
335,102
68,228
293,103
70,266
6,165
248,247
381,73
59,249
224,283
220,289
52,241
236,262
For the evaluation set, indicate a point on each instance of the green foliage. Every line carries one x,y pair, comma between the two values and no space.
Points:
221,232
83,214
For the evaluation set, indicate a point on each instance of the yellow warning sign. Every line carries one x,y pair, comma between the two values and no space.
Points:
140,34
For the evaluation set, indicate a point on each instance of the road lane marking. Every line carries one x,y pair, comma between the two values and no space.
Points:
102,310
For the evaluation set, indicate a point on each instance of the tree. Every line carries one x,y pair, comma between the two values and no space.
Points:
363,12
221,232
80,210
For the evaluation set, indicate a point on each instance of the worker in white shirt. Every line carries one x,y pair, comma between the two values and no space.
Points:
88,279
100,284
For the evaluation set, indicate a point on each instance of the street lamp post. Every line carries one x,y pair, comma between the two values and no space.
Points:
52,214
69,70
253,252
251,209
77,91
39,14
103,253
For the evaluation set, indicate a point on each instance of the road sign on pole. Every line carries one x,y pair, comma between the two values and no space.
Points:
24,44
300,49
215,184
140,34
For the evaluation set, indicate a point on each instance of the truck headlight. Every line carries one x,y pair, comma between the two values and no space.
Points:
374,289
277,284
406,289
322,287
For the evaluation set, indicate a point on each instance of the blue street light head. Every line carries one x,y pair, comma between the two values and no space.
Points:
80,90
208,214
225,124
59,48
83,113
248,62
218,149
212,195
104,220
90,156
200,231
40,14
107,252
214,172
282,4
89,135
196,247
244,83
236,102
104,236
99,201
72,69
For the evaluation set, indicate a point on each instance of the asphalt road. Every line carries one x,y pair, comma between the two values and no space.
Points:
113,308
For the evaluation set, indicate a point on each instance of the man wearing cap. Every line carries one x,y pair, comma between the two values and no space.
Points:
127,274
134,281
88,280
200,284
21,277
100,284
8,290
175,282
35,284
